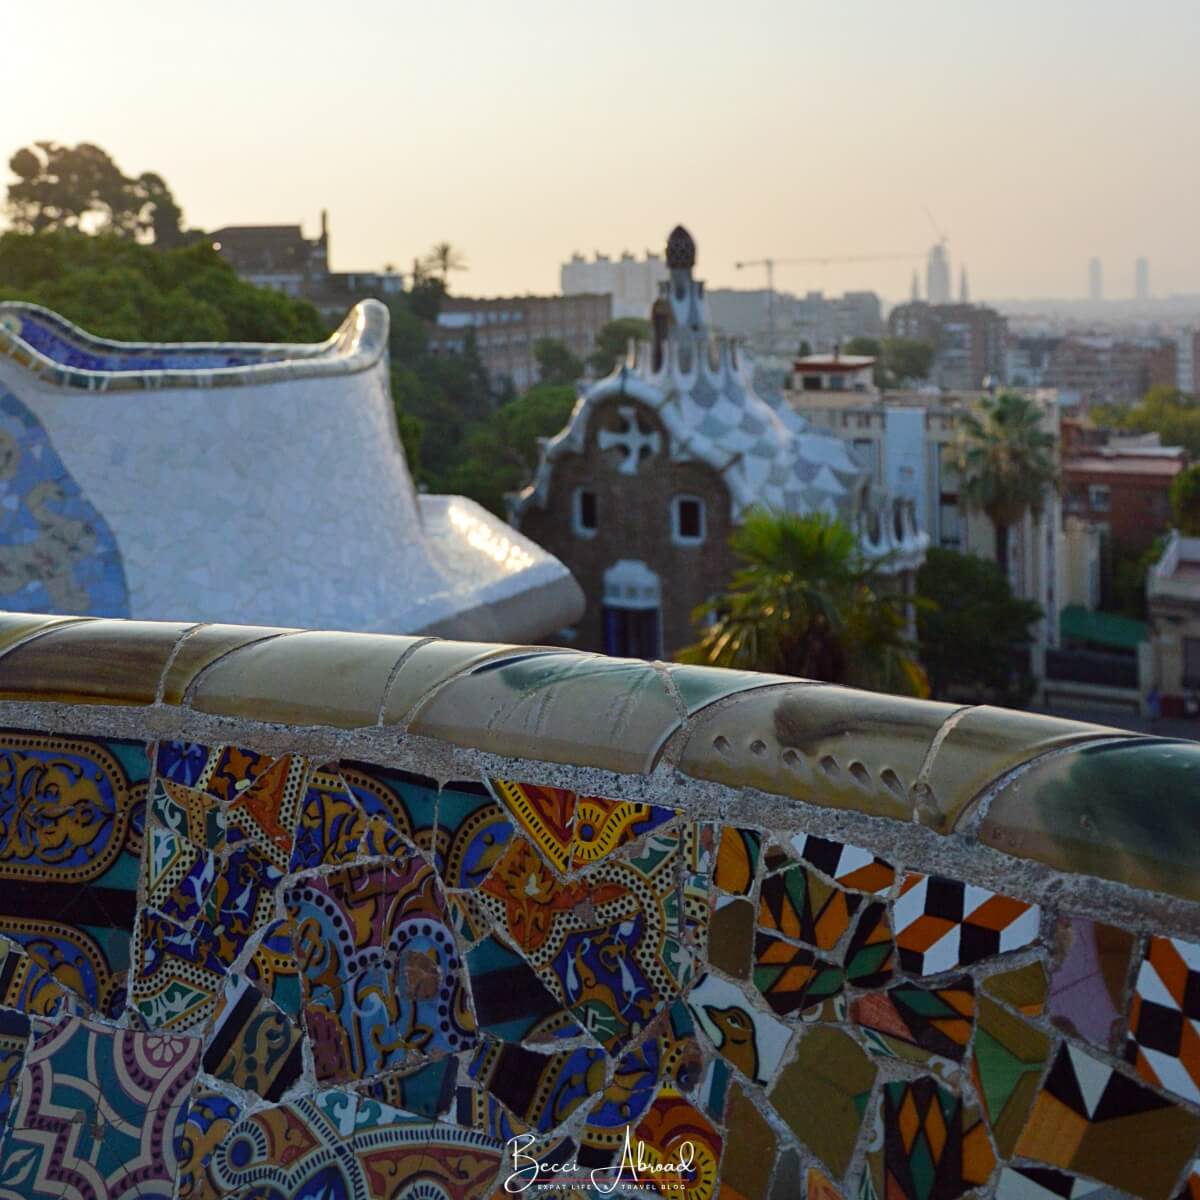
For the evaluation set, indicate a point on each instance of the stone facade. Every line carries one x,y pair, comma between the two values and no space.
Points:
635,522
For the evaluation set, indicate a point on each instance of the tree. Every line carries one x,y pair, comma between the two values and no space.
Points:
863,345
1006,460
1185,501
1172,414
503,454
906,359
806,602
117,288
81,187
804,349
971,627
556,364
443,259
612,343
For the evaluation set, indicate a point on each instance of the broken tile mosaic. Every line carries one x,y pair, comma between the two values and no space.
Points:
293,978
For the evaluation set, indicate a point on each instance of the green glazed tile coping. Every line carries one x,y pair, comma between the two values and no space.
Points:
559,706
985,743
818,742
91,662
431,664
202,647
20,627
1127,809
313,678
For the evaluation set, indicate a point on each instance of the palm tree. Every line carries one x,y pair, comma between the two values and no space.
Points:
1006,461
807,603
443,259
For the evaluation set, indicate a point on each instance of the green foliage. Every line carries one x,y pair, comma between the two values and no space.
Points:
612,343
1165,410
971,626
807,603
556,364
117,288
804,349
1185,501
897,360
443,259
1006,460
904,360
503,453
1128,570
75,187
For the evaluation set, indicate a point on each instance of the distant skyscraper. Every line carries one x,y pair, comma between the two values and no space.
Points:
964,293
1095,280
937,276
1141,279
915,293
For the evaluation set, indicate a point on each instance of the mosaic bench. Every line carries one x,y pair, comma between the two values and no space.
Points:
321,915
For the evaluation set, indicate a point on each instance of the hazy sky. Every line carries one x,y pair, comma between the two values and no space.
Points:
1038,132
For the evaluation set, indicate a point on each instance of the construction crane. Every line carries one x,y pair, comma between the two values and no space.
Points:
817,260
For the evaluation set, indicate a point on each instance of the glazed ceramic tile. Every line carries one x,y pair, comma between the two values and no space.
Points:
1088,978
511,1002
934,1146
1007,1061
210,1116
178,875
751,1040
331,825
241,900
545,815
823,1092
58,1135
1045,1183
737,860
252,1044
845,864
265,813
427,1090
272,967
1091,1119
189,813
617,945
913,1022
1072,811
14,1040
541,1089
943,923
177,976
750,1154
793,978
601,826
335,1143
624,1101
817,1186
472,831
731,936
380,969
870,955
398,804
799,904
672,1133
1023,988
1164,1017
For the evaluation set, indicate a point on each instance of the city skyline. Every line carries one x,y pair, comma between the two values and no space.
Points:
525,134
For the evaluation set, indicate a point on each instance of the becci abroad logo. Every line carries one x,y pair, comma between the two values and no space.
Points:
634,1170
